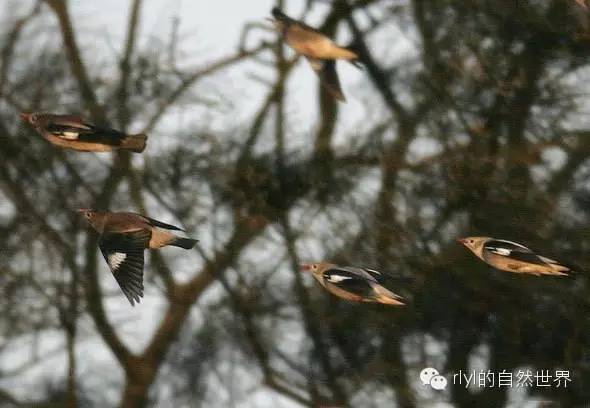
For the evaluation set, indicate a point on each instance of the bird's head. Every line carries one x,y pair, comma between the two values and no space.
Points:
279,19
475,244
32,118
315,268
86,213
93,217
277,13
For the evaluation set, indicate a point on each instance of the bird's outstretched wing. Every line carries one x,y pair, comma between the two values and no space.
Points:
513,250
124,255
326,71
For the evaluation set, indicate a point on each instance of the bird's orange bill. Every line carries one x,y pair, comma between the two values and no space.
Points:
305,267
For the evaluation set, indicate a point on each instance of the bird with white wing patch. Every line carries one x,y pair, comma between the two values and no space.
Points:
123,238
351,283
513,257
76,133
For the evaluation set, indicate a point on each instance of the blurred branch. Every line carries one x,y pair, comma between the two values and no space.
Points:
376,74
191,79
7,398
311,325
143,371
76,63
272,98
241,307
7,50
125,68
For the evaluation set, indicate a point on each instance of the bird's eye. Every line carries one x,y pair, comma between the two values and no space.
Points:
314,267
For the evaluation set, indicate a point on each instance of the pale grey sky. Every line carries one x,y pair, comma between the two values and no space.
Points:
212,29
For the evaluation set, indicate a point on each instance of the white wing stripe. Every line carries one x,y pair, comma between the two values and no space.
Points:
70,135
501,251
512,243
116,259
337,278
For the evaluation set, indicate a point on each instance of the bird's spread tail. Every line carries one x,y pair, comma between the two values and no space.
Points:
186,243
558,268
135,143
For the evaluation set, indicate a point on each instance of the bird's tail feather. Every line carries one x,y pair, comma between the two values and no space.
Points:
560,268
135,143
186,243
384,295
344,53
354,51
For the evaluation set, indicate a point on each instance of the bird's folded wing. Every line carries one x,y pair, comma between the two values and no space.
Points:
361,273
348,281
513,250
326,70
84,132
124,255
378,276
68,131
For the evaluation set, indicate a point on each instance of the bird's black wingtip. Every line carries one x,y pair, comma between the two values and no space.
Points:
134,299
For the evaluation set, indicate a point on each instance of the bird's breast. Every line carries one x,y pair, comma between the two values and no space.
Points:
309,44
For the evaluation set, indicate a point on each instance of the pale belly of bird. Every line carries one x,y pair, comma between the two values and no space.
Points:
335,290
512,265
76,145
319,48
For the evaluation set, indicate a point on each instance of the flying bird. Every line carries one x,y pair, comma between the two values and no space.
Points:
74,132
320,51
351,283
123,238
512,257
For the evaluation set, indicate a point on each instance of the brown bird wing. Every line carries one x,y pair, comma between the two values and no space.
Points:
326,70
124,255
